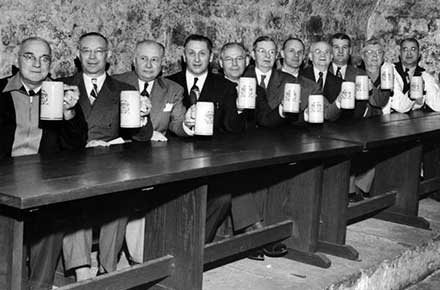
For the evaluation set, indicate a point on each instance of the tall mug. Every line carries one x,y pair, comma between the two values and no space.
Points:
204,119
387,76
51,102
347,95
416,87
247,91
362,90
130,109
292,98
316,109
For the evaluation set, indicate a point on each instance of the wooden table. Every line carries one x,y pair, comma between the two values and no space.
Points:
396,142
173,176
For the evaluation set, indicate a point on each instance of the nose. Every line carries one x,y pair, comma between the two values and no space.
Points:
234,62
340,50
148,63
37,62
197,57
92,54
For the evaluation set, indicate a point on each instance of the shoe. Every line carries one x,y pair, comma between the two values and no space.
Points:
275,250
257,255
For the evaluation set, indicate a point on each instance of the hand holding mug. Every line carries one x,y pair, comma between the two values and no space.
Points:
190,117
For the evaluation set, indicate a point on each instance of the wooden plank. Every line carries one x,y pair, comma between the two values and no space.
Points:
128,278
395,217
175,225
429,185
370,205
339,250
247,241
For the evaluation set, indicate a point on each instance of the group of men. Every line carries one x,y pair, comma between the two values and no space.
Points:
91,118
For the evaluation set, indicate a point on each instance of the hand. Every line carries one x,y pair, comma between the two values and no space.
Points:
71,97
306,114
159,137
96,143
190,117
338,100
370,84
145,106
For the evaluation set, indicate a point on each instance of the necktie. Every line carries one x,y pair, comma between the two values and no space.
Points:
262,83
338,72
194,93
406,81
320,81
32,93
94,92
145,91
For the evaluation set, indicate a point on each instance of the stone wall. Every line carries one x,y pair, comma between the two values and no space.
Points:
124,22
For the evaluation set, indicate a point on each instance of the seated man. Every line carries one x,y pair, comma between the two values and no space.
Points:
22,133
100,101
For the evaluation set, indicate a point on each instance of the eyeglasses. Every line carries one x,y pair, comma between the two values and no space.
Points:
153,60
271,52
31,58
234,59
97,52
374,52
412,49
318,51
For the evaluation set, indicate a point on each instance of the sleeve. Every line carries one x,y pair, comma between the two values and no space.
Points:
72,134
432,95
266,116
331,111
177,113
400,102
232,121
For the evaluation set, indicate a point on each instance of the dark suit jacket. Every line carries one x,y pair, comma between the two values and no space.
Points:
350,73
223,94
164,94
57,135
103,117
332,84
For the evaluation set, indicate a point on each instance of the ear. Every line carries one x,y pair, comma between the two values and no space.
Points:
220,62
109,54
282,53
211,57
184,57
253,54
248,59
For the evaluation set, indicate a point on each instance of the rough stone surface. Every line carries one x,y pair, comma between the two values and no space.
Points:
124,22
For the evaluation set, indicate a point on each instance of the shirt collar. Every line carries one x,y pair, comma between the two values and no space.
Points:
286,71
99,81
259,73
190,80
343,69
142,84
324,75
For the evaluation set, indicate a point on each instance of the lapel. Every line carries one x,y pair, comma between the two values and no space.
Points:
83,96
308,73
132,79
208,87
158,100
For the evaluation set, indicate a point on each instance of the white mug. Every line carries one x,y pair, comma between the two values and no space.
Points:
387,76
362,90
347,95
316,109
416,87
51,100
247,91
292,98
130,109
204,119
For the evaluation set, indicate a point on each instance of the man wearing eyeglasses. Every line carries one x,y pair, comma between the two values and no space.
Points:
100,101
405,70
22,133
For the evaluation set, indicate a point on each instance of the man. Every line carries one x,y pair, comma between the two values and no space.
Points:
23,133
341,46
100,101
201,85
167,112
321,56
404,70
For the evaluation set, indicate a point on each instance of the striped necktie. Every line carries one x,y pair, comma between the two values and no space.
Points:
94,92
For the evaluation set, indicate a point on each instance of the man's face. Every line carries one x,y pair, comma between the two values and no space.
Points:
148,61
93,53
293,54
321,55
34,62
197,57
373,56
233,62
265,55
341,51
409,54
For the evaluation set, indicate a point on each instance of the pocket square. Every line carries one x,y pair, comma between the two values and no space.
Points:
168,107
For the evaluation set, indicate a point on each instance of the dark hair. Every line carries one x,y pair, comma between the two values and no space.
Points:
198,37
264,38
410,39
293,38
93,34
230,45
341,36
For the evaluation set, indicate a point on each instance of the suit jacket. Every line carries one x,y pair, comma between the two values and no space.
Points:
332,84
57,135
103,117
223,94
164,94
350,73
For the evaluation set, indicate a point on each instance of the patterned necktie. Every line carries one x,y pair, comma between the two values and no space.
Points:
144,92
406,81
338,72
94,92
320,81
262,83
194,93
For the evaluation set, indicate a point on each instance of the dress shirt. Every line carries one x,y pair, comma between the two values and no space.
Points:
88,83
200,80
149,88
259,73
324,75
343,69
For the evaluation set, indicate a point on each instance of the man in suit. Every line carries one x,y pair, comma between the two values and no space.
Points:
201,85
22,133
321,56
404,70
100,101
167,111
167,114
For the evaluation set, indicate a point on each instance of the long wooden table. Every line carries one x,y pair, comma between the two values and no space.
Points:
395,141
173,177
